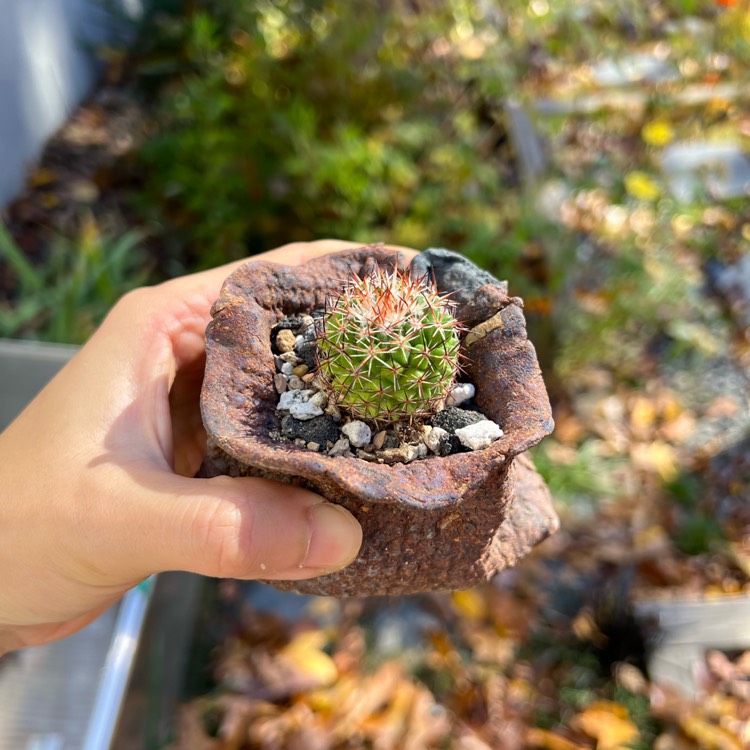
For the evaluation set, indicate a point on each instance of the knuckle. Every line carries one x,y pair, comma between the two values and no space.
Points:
221,529
133,303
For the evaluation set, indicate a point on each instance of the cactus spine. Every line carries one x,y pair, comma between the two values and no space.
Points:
389,348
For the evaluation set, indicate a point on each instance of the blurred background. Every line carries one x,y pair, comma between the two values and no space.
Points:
597,156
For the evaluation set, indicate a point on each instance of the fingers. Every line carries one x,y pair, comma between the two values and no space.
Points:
208,283
231,528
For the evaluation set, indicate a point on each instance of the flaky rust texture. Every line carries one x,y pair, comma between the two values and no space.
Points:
438,523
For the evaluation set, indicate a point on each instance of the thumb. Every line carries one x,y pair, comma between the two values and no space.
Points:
237,528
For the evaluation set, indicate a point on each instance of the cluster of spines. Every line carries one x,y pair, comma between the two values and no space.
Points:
389,348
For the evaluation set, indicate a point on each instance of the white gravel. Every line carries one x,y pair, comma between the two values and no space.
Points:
459,393
298,404
479,435
359,433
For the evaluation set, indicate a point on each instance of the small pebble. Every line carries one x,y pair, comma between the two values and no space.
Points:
290,357
301,370
334,412
340,447
422,451
379,439
287,369
307,353
372,457
450,444
433,440
309,377
279,382
285,340
319,399
299,340
295,383
313,446
297,403
479,435
305,322
459,393
292,323
391,441
404,454
359,433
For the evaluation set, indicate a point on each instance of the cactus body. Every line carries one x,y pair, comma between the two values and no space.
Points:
389,348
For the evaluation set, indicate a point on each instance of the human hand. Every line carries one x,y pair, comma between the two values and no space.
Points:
96,487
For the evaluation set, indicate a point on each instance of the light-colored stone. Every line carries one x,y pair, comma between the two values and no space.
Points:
296,384
459,393
480,331
297,403
359,433
432,441
333,411
340,447
285,341
379,439
422,451
309,377
301,370
307,321
319,399
287,369
290,357
279,382
299,340
404,454
479,435
313,446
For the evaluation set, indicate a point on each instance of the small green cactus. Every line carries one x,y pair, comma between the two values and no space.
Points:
389,347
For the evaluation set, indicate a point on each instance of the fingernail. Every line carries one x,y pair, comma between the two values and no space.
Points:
335,537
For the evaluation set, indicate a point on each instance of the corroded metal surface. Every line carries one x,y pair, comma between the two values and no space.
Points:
430,524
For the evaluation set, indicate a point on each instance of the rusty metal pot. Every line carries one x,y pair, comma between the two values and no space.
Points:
436,523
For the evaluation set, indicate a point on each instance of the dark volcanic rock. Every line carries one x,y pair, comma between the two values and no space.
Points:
289,324
308,354
450,444
453,418
316,430
391,441
454,273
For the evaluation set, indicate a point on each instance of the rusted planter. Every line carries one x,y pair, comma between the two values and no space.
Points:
436,523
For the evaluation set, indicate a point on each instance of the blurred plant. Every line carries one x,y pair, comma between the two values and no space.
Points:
301,120
578,476
65,298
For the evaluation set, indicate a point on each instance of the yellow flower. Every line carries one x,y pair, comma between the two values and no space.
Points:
642,186
657,133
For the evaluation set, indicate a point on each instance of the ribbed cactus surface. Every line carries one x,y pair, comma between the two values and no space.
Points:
389,348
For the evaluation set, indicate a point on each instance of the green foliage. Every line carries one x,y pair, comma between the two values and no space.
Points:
65,298
586,477
293,121
698,533
389,347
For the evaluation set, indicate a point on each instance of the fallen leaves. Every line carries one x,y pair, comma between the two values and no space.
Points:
608,723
